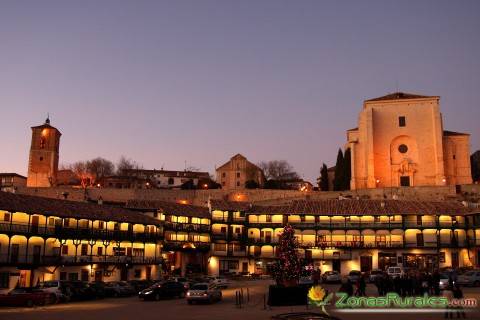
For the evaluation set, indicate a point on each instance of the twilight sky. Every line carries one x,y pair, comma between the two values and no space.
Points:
162,82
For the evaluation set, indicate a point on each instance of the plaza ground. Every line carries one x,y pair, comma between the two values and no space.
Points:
134,309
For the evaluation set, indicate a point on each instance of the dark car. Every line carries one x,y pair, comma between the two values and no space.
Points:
80,290
27,297
140,285
119,289
167,289
98,289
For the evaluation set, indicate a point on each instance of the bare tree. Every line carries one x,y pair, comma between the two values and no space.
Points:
100,168
125,164
279,170
80,168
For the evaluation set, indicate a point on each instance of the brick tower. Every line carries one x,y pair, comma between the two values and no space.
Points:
44,152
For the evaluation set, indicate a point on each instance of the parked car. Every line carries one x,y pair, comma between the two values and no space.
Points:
469,278
183,281
167,289
375,274
394,272
140,285
118,289
220,282
444,278
305,281
354,275
56,287
331,277
79,290
28,297
98,289
204,292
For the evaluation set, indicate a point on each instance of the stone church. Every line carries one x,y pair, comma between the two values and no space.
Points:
400,141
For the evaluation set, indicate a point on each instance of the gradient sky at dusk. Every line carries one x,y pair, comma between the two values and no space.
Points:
162,82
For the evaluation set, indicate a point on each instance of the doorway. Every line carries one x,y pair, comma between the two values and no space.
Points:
124,274
34,224
365,263
36,254
336,265
405,181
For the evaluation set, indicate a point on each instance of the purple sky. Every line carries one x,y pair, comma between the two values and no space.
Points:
165,82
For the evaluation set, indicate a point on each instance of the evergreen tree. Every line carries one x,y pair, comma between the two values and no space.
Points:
348,169
289,266
323,179
475,165
338,182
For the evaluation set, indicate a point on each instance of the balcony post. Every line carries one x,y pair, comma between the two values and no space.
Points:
8,249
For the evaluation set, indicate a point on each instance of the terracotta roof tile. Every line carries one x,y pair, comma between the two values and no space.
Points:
169,208
70,209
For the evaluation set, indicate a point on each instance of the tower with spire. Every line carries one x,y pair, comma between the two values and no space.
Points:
44,155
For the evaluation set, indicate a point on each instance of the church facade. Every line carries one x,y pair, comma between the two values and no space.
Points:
400,141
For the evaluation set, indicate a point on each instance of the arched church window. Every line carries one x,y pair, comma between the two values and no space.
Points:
402,148
43,143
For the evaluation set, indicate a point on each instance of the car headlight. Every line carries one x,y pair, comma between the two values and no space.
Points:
188,294
148,292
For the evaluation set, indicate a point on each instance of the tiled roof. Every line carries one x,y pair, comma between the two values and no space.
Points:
230,205
169,208
8,174
400,96
70,209
359,207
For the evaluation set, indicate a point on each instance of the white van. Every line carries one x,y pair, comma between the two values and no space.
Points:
394,272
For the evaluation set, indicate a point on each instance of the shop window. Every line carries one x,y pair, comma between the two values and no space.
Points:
4,280
84,275
73,276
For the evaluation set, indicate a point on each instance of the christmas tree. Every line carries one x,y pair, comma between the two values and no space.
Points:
288,267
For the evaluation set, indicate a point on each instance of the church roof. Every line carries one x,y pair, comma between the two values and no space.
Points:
46,125
236,157
400,96
453,133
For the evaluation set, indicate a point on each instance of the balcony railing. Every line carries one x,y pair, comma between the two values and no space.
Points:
187,227
175,245
79,233
75,260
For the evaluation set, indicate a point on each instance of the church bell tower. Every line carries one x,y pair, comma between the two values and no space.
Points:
44,154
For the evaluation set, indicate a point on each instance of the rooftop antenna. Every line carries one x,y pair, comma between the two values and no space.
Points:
185,165
47,121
